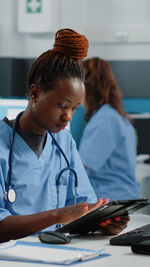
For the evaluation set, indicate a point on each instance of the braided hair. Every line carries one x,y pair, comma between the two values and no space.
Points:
62,61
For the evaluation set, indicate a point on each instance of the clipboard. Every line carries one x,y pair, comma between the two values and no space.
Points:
23,251
91,221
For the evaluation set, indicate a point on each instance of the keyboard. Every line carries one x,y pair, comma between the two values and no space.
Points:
129,238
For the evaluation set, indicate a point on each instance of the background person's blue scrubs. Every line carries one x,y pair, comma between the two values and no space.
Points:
34,179
108,150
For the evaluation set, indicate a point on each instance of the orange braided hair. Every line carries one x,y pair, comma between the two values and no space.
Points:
71,43
63,61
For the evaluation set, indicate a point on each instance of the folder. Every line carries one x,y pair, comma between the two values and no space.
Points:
46,253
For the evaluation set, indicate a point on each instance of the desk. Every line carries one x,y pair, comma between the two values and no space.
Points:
143,176
120,256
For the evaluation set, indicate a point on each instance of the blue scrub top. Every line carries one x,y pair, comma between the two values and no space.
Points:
108,149
34,179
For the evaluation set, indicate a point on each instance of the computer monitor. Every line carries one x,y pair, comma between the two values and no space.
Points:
142,126
133,77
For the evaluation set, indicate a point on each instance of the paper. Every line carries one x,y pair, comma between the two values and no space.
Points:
7,244
55,254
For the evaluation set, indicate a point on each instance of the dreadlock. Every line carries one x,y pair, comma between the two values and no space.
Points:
63,61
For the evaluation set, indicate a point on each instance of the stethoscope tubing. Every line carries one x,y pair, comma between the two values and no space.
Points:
9,187
68,168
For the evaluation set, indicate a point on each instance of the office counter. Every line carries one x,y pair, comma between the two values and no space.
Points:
121,256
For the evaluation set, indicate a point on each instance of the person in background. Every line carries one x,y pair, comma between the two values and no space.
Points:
108,144
28,178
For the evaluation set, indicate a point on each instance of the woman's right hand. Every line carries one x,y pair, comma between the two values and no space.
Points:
14,227
70,213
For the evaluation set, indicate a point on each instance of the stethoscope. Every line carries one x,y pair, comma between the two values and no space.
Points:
10,194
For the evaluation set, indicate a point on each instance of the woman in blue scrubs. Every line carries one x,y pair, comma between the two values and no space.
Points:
108,144
56,88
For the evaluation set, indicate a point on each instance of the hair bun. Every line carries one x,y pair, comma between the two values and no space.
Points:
71,43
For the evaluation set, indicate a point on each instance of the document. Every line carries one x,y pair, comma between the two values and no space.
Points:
46,253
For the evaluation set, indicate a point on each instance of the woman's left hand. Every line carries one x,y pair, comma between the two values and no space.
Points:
114,226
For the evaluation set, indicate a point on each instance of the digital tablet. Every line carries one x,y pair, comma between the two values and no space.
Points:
91,221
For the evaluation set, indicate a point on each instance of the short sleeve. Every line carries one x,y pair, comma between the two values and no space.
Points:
99,141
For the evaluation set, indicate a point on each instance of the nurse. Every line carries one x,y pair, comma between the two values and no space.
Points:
29,201
108,144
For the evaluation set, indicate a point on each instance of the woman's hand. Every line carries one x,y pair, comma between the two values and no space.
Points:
73,212
114,226
109,227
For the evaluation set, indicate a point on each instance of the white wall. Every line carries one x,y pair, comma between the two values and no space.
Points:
116,29
15,44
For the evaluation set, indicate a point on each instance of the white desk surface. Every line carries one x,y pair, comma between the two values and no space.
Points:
121,256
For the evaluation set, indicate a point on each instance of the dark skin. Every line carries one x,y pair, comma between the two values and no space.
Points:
52,111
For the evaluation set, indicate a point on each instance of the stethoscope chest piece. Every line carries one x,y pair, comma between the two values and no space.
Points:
11,195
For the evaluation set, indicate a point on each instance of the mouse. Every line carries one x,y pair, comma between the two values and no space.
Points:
54,237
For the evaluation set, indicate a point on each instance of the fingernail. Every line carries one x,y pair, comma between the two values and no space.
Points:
100,199
85,207
106,200
108,221
102,224
117,218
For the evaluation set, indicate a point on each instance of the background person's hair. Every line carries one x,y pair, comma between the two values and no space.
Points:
63,61
100,85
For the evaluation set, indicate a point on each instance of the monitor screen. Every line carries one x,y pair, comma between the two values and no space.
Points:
133,77
142,126
14,73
